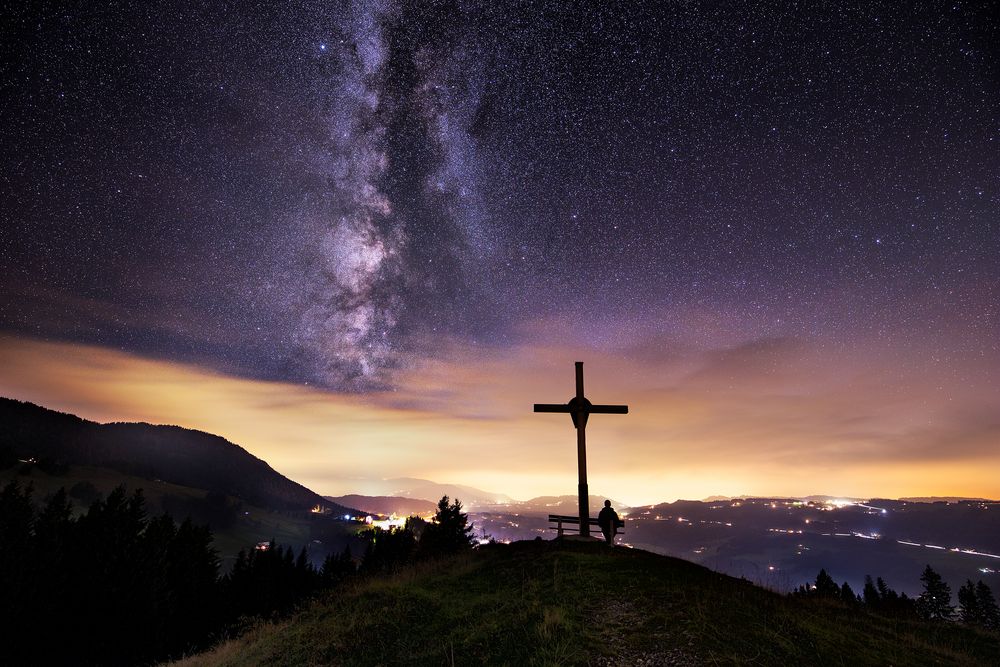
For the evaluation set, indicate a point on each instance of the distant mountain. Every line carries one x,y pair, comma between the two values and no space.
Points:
170,453
566,505
424,489
385,504
750,496
943,499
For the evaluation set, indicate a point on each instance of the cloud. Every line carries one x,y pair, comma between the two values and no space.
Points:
67,315
768,416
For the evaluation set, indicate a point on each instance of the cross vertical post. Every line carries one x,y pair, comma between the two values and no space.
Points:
581,457
579,409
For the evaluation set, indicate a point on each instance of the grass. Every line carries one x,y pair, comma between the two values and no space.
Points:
565,603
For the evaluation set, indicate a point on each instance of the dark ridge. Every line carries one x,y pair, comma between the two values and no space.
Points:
169,453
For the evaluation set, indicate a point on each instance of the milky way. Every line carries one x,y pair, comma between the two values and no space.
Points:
328,192
394,250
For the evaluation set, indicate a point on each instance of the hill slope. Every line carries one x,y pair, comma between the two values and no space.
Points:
581,603
170,453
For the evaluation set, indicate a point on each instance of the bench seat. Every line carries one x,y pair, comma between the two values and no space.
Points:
565,522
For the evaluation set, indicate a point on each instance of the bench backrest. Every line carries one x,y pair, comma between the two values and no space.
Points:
561,519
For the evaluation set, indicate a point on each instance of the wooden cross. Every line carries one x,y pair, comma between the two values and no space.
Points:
580,409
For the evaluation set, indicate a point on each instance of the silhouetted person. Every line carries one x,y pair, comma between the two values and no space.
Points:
608,521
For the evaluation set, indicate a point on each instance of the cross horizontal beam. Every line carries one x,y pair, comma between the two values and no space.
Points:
598,409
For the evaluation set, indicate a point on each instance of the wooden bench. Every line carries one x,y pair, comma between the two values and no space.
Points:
573,523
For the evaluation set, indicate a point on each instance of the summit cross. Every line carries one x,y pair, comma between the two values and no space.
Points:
580,409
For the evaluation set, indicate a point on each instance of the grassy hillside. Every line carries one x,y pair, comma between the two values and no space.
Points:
561,602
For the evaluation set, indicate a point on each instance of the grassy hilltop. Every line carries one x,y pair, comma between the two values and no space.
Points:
556,602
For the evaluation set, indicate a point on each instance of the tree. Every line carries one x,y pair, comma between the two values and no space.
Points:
870,594
885,594
16,525
977,605
268,581
449,532
49,578
387,550
337,567
878,597
989,612
825,585
113,586
847,594
935,602
968,604
192,569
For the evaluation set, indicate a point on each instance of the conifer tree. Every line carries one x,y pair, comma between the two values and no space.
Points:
877,596
388,550
449,532
977,606
16,583
16,521
825,585
113,586
192,571
870,594
48,575
847,594
968,604
935,602
337,567
885,594
989,612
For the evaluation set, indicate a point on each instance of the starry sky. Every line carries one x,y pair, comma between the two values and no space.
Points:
361,238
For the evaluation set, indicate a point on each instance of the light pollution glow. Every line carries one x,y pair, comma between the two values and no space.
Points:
772,417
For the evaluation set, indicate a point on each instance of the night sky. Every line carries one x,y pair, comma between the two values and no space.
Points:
773,227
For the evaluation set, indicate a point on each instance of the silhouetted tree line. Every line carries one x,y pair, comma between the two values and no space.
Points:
976,604
448,533
111,587
271,581
116,587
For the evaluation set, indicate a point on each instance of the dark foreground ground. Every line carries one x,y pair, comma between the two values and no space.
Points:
554,602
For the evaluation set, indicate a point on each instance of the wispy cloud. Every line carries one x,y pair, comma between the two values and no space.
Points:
762,416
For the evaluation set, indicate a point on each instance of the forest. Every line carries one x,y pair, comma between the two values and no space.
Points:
119,587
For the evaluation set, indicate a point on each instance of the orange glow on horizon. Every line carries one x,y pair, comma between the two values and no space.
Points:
764,420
